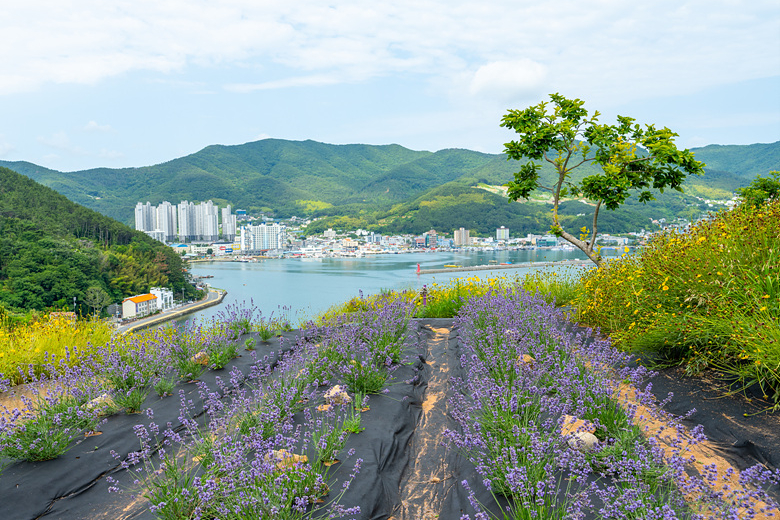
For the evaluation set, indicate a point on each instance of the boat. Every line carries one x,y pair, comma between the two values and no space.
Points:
451,266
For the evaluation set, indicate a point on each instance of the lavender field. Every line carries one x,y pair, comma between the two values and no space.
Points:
506,411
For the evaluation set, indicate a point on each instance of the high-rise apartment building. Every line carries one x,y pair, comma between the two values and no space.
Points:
462,237
145,217
263,237
206,221
502,233
187,225
228,223
186,221
167,220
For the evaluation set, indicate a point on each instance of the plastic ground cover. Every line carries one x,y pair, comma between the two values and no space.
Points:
408,472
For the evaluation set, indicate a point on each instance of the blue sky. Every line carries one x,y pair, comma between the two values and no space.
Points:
90,83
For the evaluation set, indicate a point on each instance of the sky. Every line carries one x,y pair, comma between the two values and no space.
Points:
127,83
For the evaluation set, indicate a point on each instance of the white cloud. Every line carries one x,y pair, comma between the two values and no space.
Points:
635,48
507,81
93,126
59,140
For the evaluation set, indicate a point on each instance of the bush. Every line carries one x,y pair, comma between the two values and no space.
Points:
706,297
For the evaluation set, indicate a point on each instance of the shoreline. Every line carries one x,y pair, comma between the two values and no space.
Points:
504,266
178,313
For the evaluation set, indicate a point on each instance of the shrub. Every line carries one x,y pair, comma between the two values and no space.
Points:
707,297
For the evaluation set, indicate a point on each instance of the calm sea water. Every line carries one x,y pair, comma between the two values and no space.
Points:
303,288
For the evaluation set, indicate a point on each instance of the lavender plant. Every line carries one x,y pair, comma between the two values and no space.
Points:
527,380
46,428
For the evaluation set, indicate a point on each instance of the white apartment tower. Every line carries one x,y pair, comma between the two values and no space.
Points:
187,226
502,233
207,221
167,220
145,217
462,237
228,223
263,237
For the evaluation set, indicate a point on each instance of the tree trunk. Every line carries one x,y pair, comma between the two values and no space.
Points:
583,246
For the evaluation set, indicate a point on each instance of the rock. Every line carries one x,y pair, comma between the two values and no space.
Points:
525,360
284,459
583,441
200,358
102,403
571,425
337,395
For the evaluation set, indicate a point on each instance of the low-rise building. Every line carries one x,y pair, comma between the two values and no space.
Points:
140,305
164,297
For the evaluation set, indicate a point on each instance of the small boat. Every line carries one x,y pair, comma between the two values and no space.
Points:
505,263
451,266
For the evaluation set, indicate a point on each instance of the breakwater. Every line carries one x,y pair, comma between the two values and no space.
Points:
491,267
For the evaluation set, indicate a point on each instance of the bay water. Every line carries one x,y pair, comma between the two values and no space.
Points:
302,288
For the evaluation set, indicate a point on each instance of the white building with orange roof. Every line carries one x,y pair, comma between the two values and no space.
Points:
140,305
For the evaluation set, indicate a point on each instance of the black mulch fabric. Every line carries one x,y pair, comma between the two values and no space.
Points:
73,486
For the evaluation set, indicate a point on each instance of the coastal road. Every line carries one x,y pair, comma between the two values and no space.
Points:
214,297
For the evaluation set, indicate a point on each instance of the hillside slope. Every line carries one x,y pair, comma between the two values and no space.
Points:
52,250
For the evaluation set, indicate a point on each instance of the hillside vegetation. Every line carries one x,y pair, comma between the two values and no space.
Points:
52,250
387,188
709,297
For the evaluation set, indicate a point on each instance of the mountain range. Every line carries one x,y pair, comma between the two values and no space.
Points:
386,187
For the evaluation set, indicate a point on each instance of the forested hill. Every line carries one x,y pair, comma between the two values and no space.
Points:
52,250
308,178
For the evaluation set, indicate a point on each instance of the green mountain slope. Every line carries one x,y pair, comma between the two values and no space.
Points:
312,178
52,250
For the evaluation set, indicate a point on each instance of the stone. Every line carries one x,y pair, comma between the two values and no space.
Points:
583,441
200,358
102,403
571,425
337,395
284,459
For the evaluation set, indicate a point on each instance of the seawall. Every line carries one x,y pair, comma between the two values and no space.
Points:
166,316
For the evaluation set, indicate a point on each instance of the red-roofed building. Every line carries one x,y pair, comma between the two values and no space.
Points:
137,306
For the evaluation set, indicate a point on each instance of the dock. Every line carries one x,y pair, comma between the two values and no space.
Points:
491,267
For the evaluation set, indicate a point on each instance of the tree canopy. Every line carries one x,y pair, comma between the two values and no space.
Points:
52,250
761,190
629,158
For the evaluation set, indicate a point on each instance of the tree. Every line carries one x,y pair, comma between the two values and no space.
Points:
97,298
629,158
761,190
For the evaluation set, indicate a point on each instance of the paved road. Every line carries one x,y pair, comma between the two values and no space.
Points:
214,297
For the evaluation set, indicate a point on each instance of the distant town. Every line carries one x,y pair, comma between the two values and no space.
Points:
196,231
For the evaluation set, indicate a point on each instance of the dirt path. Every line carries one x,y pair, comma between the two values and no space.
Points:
427,480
